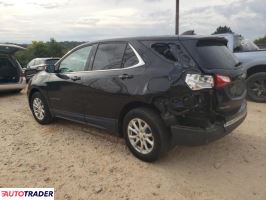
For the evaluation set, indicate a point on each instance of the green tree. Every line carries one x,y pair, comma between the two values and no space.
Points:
223,29
34,50
40,49
54,48
261,40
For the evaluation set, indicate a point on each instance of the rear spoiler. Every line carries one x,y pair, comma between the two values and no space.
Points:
209,41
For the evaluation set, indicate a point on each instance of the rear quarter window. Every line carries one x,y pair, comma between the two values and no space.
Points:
166,50
130,59
171,51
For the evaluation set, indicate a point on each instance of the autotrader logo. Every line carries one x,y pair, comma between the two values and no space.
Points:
27,193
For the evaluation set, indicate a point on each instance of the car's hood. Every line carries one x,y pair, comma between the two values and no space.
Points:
10,48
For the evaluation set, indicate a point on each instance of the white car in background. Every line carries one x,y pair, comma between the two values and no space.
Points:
11,74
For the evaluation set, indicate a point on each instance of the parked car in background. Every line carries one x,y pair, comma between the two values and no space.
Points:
38,64
254,62
11,75
156,92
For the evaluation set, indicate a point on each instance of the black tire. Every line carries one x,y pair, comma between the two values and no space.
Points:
161,137
47,117
256,85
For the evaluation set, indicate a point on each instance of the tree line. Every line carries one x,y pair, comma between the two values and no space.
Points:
226,29
39,49
52,48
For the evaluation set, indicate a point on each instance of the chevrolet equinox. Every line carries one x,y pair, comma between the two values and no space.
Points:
156,92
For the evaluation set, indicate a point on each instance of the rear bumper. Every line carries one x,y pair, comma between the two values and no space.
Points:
14,86
182,135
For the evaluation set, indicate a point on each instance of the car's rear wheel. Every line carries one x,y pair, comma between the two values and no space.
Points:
145,134
40,109
257,87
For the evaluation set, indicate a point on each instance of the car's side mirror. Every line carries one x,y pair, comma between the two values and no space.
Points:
50,68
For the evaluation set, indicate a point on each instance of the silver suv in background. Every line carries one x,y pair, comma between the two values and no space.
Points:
11,75
253,60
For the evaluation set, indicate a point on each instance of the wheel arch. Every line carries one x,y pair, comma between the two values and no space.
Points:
128,107
34,90
256,69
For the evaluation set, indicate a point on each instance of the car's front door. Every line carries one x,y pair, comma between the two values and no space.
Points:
67,85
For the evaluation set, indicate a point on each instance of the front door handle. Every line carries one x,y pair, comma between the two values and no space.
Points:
125,76
75,78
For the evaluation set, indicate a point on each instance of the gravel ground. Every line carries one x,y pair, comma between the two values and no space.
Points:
85,163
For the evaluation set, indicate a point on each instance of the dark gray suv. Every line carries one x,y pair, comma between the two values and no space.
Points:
155,92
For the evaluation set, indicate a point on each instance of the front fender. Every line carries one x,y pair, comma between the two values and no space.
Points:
39,83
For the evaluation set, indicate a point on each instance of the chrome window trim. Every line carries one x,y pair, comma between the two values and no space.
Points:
139,64
141,61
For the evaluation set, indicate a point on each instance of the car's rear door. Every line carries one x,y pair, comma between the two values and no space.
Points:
66,87
112,78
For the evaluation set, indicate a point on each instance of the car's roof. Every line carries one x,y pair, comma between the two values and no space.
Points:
143,38
167,37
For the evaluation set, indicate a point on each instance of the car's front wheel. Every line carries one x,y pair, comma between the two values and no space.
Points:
40,109
145,134
257,87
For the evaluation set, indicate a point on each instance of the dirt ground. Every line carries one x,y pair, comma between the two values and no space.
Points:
84,163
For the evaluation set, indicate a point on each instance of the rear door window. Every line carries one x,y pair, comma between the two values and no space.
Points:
109,56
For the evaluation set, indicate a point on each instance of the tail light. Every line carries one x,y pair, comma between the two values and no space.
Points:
221,81
199,82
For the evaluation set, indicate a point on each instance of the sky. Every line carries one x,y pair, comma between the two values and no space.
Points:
23,21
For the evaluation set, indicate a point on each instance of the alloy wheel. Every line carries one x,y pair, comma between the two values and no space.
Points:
38,109
140,136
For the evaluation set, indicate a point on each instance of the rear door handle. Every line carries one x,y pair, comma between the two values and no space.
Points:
125,76
75,78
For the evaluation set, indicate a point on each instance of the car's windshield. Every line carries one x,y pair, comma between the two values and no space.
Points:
244,45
